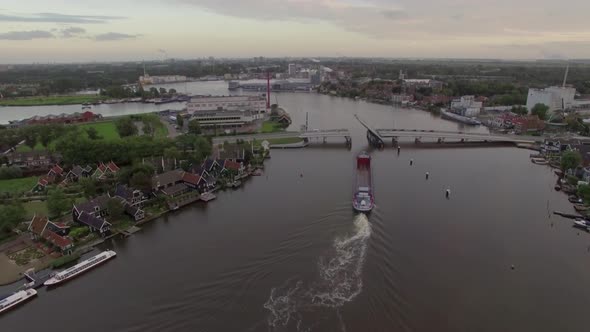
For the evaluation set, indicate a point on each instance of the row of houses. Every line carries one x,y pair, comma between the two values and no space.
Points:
57,175
62,118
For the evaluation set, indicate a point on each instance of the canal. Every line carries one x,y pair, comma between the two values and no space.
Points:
286,252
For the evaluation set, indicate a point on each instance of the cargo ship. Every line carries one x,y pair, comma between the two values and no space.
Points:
363,200
80,268
16,298
459,118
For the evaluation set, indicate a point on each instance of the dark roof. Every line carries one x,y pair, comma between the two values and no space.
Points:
175,189
131,210
232,165
167,178
124,192
92,221
89,206
79,171
38,225
208,164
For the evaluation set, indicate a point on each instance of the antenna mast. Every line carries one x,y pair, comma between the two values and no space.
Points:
567,69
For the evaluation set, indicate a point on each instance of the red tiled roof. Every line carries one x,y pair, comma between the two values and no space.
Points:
191,178
38,225
102,167
44,180
113,167
60,241
57,169
232,165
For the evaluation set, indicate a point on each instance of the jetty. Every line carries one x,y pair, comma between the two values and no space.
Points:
568,215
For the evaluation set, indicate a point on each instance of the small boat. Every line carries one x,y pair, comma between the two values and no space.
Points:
539,161
557,187
581,223
574,199
235,184
80,268
16,298
581,208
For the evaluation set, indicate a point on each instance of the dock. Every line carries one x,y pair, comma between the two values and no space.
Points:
568,215
37,279
206,197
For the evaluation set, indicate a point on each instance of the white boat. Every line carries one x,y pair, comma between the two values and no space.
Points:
16,299
80,268
581,223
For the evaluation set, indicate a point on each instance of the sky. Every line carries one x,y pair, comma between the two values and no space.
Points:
44,31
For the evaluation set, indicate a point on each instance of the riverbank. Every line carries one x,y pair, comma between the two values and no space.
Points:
51,100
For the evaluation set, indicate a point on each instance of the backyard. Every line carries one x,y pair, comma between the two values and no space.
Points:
52,100
18,185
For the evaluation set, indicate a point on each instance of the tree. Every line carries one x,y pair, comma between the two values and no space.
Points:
126,127
12,172
30,138
584,192
172,153
57,203
570,160
154,92
179,121
148,129
522,110
248,156
12,215
194,127
88,186
115,208
45,134
162,91
172,91
540,110
141,181
93,133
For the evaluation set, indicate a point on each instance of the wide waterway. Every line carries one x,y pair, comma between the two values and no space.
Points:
287,253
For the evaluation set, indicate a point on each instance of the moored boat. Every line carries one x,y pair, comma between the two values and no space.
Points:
459,118
581,223
363,200
16,299
80,268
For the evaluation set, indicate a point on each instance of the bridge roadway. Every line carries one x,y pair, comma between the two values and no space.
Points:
439,134
306,135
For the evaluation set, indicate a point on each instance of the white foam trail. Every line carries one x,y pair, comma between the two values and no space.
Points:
340,279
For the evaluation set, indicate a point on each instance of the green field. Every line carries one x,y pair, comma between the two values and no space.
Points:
18,185
35,207
270,127
107,130
53,100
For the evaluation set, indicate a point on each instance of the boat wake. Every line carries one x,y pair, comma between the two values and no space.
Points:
339,282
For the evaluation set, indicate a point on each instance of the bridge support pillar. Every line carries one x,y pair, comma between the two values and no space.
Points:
348,140
440,140
325,139
394,141
417,140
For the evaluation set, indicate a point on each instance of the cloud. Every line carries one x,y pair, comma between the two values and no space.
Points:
72,32
59,18
26,35
109,36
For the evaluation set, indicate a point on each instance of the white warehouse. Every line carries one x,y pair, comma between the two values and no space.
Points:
256,104
556,97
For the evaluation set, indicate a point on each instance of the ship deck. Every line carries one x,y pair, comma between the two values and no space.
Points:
363,178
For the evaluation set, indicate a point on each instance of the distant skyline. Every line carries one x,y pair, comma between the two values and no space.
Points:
133,30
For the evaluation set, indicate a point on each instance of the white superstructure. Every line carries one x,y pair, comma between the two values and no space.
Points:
466,106
80,267
555,97
256,104
16,299
225,119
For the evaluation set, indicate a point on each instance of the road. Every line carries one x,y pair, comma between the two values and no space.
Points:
258,137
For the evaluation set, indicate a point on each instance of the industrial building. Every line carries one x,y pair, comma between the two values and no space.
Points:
225,119
466,106
254,103
555,97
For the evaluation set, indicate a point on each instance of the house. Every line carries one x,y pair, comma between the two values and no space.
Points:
210,179
584,150
32,160
96,207
76,173
165,180
94,223
42,228
530,123
233,167
213,166
55,172
135,212
129,195
194,181
105,170
42,183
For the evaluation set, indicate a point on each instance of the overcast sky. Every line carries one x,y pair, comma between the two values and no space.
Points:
105,30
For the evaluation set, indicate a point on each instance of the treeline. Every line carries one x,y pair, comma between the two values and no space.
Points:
119,91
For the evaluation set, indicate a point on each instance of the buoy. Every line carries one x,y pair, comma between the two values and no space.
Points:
301,175
398,149
411,162
512,267
448,193
427,175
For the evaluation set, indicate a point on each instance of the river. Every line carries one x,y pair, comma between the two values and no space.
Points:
286,252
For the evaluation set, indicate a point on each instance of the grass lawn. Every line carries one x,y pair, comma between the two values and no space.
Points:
52,100
107,130
270,127
35,207
18,185
161,130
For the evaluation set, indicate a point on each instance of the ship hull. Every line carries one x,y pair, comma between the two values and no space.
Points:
54,281
28,295
363,199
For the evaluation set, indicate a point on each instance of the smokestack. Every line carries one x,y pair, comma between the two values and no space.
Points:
267,90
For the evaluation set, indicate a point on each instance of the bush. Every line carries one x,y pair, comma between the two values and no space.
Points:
79,232
11,172
64,260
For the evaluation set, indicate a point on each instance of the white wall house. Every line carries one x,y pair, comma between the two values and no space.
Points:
224,119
